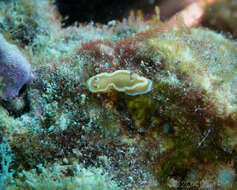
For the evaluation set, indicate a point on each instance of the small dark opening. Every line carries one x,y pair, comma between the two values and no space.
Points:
10,105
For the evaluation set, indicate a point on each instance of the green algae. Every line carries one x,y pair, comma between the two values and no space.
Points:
141,109
221,16
147,139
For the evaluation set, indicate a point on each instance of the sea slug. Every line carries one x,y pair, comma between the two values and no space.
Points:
121,80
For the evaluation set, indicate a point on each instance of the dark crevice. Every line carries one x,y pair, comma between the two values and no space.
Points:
19,105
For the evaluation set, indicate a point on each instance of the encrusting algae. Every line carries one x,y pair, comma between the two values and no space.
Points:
121,80
182,135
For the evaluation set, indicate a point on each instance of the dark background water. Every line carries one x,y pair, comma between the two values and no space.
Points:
102,11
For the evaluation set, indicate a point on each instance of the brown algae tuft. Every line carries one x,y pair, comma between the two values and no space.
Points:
121,80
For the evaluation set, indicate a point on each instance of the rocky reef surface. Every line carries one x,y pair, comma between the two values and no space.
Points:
57,134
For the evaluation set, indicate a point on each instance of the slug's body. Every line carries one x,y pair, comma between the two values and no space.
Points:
120,80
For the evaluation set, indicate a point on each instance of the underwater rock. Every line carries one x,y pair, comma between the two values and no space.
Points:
15,70
179,133
222,16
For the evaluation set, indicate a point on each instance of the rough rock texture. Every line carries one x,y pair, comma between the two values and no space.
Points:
222,16
180,135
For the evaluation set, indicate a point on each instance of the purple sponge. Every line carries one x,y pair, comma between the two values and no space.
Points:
15,70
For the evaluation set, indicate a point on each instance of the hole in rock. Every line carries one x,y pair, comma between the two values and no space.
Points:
19,105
